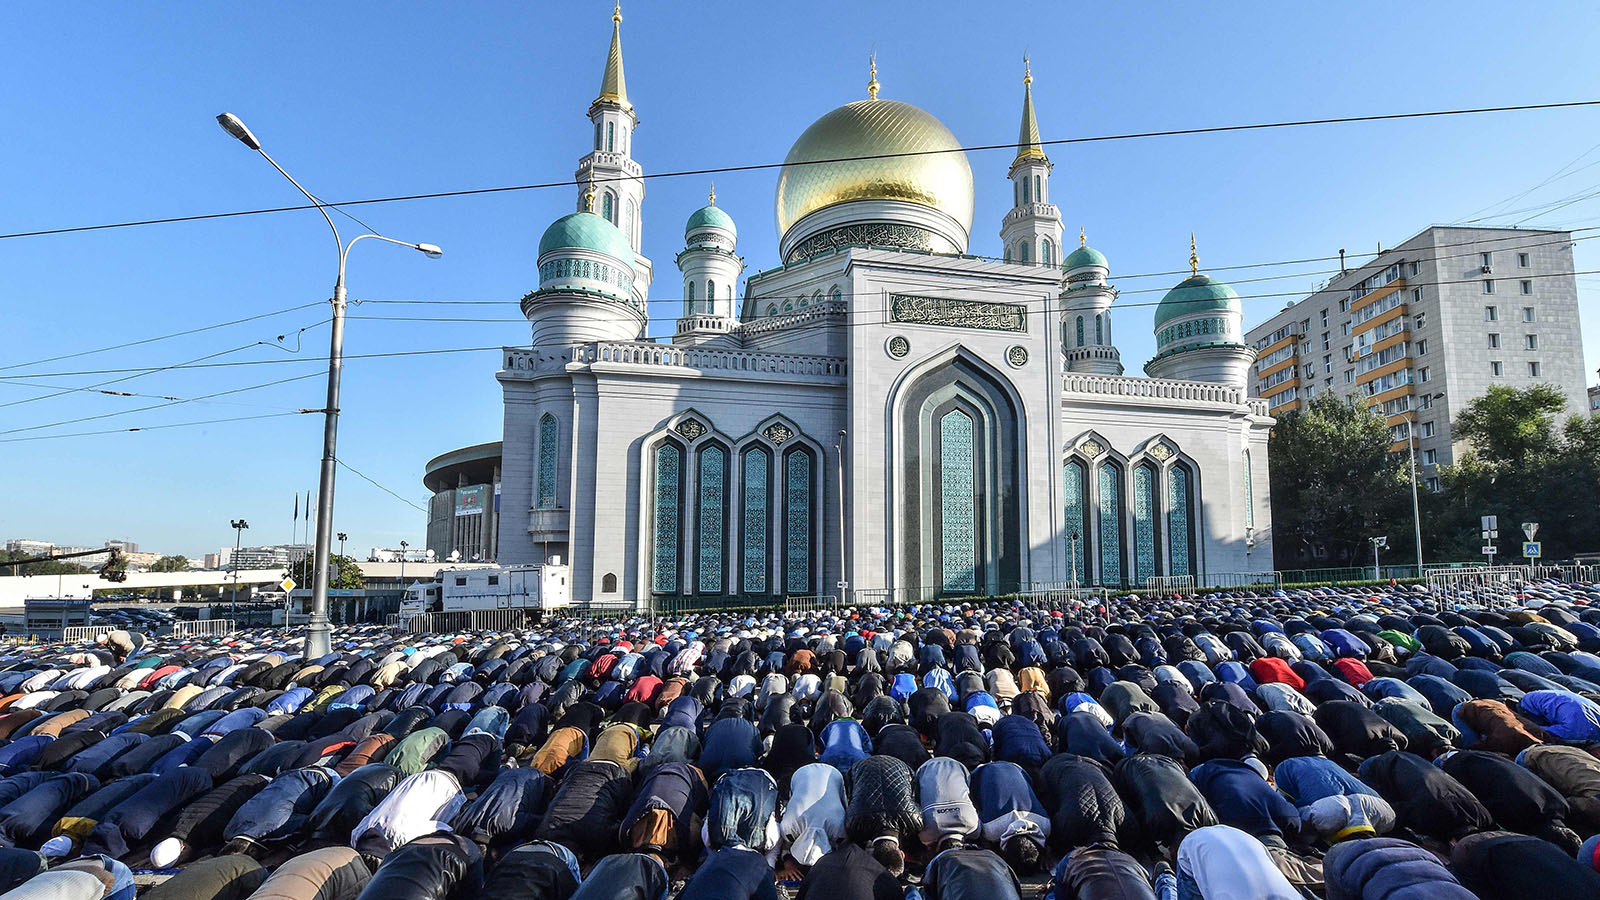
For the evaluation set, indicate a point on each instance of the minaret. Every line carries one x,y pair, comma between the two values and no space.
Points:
711,270
1031,231
618,179
1200,332
1086,340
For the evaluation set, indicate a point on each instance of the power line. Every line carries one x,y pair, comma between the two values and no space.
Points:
1024,299
754,167
380,487
173,401
163,337
50,437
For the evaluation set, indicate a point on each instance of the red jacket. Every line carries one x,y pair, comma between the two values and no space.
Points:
1270,669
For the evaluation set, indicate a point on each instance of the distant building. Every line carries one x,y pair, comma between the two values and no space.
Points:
29,546
1594,399
126,546
464,512
1426,327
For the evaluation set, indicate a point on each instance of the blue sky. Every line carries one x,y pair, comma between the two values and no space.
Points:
109,112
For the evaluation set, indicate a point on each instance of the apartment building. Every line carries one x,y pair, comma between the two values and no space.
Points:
1424,328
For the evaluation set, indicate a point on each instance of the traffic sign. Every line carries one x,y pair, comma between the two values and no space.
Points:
1490,523
288,584
1490,550
1530,529
1532,549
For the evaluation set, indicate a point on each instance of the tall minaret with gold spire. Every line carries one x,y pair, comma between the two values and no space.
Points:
1031,231
618,180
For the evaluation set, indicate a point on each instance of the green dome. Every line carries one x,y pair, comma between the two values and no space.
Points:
1085,256
587,231
709,217
1197,294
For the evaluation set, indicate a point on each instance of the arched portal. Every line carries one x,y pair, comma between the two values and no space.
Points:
961,498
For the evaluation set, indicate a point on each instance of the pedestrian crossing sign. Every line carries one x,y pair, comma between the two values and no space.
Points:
1531,549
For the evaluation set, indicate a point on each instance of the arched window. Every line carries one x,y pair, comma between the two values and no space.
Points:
711,520
1249,495
1023,256
958,517
607,207
772,309
690,297
756,523
1144,523
1008,253
624,142
1075,483
1080,331
549,432
1110,531
1099,331
711,292
836,295
608,583
667,518
611,136
1180,503
597,135
1026,198
1038,188
798,503
1045,254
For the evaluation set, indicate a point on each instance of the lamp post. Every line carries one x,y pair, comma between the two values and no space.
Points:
342,538
1411,447
238,525
1378,543
1072,555
318,631
403,546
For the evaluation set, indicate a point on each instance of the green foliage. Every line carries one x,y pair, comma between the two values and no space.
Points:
1335,484
1521,467
44,567
343,573
170,564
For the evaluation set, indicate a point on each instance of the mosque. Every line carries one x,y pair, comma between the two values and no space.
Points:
880,412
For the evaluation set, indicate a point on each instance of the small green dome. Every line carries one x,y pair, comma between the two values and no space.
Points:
709,217
1197,294
1085,256
587,231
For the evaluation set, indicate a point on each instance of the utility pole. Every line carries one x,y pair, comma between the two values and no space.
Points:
238,525
844,578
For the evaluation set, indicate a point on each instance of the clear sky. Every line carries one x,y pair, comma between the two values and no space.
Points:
108,115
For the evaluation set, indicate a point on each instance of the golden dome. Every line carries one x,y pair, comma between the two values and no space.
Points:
939,180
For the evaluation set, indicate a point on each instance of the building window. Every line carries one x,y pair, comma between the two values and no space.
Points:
1027,192
1349,375
1530,341
1491,313
711,293
1326,344
549,434
1430,457
1533,368
711,519
957,508
1425,429
1075,489
1435,485
1038,188
1522,260
1324,320
772,309
1422,348
1527,286
757,526
1485,259
1044,252
1413,269
1080,331
461,581
1099,330
690,298
797,492
1528,314
1419,320
1023,252
1144,523
608,207
667,518
494,579
608,583
1425,401
1110,532
611,136
837,295
1494,341
1488,285
1496,368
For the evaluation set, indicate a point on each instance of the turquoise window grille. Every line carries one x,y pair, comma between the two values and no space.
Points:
1099,331
711,519
1144,523
1178,518
611,136
549,433
797,522
1249,495
958,515
757,527
1080,331
1110,515
668,519
607,207
1075,491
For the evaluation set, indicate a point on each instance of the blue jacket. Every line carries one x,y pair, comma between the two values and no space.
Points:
1388,869
1017,739
844,742
1307,779
1570,717
1243,799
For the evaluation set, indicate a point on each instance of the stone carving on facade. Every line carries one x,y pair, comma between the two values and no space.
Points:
778,432
1091,448
898,346
874,234
691,428
981,314
1017,355
1161,451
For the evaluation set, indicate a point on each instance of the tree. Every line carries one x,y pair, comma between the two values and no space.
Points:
170,564
1335,484
343,573
43,567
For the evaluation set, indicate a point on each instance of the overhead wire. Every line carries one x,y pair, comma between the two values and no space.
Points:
753,167
48,437
171,401
370,480
160,337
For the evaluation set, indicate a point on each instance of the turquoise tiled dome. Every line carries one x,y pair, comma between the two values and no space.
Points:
1085,256
587,231
1197,294
709,217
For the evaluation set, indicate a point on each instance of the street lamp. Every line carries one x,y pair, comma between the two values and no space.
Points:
403,546
238,525
318,633
1378,543
1411,447
342,538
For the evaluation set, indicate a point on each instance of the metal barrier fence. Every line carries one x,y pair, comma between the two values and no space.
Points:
471,620
203,628
79,634
1169,584
812,604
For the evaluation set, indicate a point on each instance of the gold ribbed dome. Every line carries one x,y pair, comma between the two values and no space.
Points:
940,180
